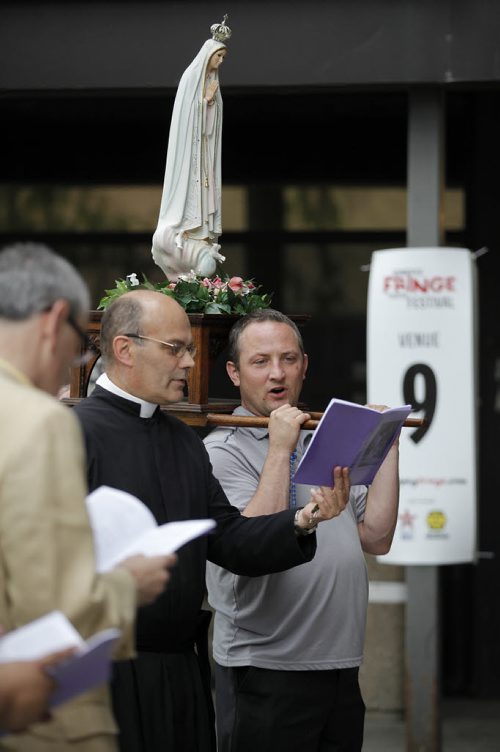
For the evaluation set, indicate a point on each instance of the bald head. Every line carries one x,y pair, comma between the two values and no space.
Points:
146,340
131,313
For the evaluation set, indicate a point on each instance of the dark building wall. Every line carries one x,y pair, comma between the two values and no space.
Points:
484,230
143,45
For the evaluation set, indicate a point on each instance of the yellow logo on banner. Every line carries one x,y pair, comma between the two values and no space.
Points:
436,520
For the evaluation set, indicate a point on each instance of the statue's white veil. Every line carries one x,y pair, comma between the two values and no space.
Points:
181,209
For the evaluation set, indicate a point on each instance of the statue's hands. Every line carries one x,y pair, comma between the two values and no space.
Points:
327,502
214,252
211,91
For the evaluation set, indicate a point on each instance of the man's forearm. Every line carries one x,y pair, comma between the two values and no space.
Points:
272,494
377,529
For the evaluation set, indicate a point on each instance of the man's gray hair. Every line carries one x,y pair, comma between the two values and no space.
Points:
256,317
32,278
124,315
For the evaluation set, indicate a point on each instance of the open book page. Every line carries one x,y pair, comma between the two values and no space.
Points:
124,526
350,435
48,634
53,632
375,448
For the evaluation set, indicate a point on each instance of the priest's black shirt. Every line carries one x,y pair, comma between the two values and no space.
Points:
163,462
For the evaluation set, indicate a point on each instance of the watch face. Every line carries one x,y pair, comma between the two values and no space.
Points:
302,530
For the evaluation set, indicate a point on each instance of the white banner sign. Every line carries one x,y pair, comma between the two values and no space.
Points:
421,351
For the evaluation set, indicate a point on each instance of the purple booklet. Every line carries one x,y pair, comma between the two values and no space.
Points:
86,669
353,436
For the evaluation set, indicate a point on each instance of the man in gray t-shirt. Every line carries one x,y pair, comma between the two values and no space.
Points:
288,646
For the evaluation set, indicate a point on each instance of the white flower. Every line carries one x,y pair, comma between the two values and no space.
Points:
132,279
189,277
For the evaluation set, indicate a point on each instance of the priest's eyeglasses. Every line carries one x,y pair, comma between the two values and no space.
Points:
178,349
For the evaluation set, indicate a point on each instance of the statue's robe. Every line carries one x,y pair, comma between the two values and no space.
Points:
190,220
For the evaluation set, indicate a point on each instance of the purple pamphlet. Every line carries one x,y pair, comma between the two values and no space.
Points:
88,665
86,669
353,436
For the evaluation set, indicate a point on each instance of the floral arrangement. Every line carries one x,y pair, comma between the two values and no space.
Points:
198,294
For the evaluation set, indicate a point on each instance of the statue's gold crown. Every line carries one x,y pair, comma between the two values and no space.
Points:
220,32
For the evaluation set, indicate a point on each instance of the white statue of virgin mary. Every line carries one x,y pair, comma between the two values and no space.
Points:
190,213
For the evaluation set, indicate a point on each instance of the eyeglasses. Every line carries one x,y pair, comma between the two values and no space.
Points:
178,349
88,349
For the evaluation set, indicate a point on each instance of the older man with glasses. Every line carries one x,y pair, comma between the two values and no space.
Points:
162,700
47,557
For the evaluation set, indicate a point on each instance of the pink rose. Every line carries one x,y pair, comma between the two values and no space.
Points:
206,282
235,284
172,286
217,282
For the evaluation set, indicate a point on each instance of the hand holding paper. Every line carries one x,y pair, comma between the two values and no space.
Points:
25,691
326,502
123,526
89,665
151,575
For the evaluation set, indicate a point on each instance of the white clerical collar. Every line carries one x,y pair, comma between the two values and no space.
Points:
147,408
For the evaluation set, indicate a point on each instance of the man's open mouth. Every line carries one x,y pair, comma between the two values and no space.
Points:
278,390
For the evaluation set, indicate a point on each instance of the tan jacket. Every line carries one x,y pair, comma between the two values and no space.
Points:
46,550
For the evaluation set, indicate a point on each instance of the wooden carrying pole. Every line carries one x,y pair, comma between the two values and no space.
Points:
243,421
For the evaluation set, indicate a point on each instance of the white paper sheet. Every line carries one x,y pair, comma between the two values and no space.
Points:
124,526
48,634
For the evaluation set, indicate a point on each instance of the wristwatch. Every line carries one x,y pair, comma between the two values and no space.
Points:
302,530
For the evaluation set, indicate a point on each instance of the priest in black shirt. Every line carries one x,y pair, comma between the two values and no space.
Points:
162,700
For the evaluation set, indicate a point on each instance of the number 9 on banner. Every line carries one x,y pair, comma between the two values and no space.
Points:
427,404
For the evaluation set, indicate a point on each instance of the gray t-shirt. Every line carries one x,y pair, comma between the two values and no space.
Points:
311,617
